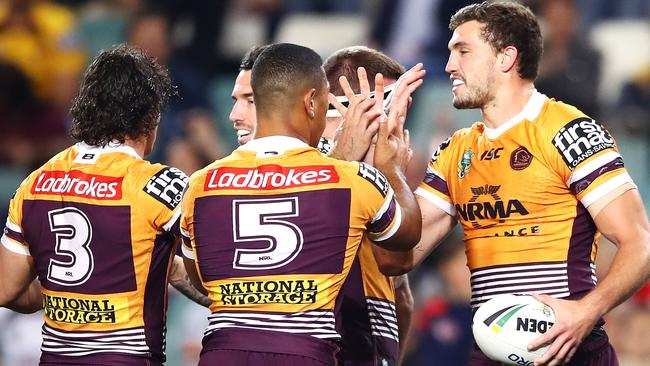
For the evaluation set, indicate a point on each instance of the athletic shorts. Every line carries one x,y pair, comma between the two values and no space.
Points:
98,359
595,350
251,358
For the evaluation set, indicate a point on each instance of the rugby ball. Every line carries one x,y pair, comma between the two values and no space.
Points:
504,325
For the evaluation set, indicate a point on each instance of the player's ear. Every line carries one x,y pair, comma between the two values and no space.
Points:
507,59
310,102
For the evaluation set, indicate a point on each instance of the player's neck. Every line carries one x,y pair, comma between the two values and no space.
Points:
508,102
275,125
330,128
140,146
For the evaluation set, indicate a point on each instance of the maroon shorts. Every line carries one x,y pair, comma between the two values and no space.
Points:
98,359
252,358
595,350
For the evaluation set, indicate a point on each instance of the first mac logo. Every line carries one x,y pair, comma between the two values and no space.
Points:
167,186
580,139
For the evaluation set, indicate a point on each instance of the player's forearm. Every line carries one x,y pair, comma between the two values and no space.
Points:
408,235
629,271
393,263
404,309
180,279
29,301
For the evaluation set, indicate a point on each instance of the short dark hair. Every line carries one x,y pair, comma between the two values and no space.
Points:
284,71
507,24
122,94
249,58
346,61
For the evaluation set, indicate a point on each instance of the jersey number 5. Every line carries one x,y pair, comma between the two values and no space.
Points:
73,235
260,220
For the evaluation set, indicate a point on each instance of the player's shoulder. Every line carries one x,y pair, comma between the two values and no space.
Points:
457,141
163,183
573,134
556,114
370,176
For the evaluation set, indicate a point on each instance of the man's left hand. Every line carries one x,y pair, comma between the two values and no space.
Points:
573,322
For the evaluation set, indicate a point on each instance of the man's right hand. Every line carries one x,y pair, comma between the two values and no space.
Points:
360,120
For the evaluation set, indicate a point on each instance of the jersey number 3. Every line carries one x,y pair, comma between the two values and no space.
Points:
260,220
73,235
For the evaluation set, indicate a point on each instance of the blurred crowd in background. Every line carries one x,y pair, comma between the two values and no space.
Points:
597,57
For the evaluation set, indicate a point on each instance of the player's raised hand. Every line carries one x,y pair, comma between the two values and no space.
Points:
388,153
360,120
573,322
403,89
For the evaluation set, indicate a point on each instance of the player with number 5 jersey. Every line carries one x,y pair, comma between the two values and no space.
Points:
97,224
273,228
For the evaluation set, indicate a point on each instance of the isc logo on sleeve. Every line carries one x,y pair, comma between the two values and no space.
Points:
167,186
580,139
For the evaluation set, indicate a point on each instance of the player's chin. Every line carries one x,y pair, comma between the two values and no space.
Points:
243,139
464,103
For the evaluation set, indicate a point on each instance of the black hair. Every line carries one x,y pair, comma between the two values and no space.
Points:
122,94
249,58
283,71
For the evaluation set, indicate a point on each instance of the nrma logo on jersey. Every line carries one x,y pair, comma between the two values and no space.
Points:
474,211
270,176
78,184
580,139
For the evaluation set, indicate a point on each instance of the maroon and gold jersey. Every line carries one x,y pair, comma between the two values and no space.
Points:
274,229
521,193
100,224
369,327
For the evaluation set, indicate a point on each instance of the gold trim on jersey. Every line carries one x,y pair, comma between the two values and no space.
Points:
273,293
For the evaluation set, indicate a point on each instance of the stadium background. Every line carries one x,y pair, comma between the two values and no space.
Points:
597,58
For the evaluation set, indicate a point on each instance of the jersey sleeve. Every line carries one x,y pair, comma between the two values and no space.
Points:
585,155
13,238
434,186
186,220
377,197
165,189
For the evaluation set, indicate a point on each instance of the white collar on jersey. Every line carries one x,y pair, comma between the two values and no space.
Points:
272,145
530,112
113,146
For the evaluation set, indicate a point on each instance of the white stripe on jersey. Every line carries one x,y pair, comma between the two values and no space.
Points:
545,278
316,323
605,188
383,319
131,341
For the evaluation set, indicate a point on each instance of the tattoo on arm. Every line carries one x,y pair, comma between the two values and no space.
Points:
181,282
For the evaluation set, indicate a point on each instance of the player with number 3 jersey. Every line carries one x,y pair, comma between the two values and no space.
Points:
97,225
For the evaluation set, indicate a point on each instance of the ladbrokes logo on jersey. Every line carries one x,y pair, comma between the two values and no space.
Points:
270,176
78,184
580,139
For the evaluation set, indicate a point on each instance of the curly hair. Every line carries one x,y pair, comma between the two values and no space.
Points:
507,24
122,95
